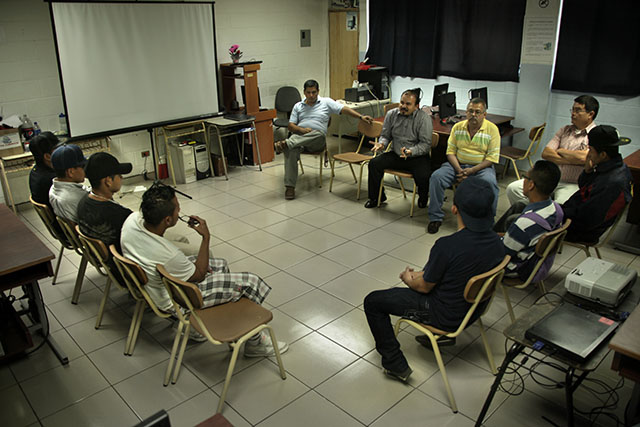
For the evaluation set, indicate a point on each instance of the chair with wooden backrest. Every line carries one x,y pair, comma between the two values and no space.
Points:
232,323
547,246
48,218
601,242
388,107
372,130
402,174
135,279
513,154
69,230
100,253
479,288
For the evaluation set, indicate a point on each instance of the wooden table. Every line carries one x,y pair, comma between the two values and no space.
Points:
626,360
24,260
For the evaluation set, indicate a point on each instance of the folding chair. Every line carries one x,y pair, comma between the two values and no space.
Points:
232,323
479,288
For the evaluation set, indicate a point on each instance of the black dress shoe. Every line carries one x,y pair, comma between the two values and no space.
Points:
400,376
372,203
442,341
434,226
422,202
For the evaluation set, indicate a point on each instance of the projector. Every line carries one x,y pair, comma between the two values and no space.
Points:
600,281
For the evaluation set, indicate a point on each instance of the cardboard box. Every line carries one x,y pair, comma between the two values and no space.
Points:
10,144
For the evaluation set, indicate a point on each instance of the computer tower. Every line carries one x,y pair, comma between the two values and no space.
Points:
184,163
378,79
202,161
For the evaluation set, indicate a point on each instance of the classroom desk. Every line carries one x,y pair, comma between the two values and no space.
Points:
516,333
626,361
227,127
24,260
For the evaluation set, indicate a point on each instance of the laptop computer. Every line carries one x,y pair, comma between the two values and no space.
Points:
572,331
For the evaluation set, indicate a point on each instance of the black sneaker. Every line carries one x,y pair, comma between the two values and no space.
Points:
400,376
434,226
442,341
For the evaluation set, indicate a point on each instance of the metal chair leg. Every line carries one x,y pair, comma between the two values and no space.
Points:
103,303
79,280
174,350
55,274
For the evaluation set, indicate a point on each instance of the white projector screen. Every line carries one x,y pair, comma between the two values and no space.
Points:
130,66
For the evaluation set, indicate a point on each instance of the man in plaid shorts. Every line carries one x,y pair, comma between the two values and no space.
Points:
142,241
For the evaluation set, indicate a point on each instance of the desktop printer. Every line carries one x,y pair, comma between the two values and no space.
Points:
600,281
358,94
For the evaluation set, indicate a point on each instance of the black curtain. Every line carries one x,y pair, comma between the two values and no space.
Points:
599,47
475,40
481,40
402,36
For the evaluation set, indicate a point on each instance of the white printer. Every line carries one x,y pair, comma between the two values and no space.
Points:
601,281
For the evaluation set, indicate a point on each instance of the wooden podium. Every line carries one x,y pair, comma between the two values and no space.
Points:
264,117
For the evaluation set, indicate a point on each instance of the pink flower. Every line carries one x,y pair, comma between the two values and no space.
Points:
233,48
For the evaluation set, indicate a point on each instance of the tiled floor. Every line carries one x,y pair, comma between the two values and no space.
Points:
321,253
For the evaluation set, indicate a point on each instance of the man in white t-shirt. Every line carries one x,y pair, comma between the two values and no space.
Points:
142,241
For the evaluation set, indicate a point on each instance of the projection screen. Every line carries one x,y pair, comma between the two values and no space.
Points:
131,66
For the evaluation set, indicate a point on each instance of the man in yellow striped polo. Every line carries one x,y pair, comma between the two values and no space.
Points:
472,149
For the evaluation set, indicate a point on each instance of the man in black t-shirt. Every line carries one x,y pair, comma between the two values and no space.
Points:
42,173
99,216
435,295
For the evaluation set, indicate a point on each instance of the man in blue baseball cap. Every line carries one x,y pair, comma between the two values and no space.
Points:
67,189
435,294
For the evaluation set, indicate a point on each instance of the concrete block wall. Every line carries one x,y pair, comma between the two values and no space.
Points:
265,30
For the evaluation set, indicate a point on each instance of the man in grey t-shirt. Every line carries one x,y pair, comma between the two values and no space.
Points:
410,129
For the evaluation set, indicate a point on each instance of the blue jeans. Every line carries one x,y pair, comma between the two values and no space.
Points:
445,177
404,302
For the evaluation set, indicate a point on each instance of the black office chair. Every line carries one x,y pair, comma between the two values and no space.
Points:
286,98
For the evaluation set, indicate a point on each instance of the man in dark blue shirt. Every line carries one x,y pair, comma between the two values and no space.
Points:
435,295
42,174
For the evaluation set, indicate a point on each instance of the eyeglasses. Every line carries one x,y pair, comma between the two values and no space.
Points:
475,112
188,220
577,110
527,177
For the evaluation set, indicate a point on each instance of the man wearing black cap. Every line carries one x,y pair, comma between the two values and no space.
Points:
604,187
99,216
435,295
67,189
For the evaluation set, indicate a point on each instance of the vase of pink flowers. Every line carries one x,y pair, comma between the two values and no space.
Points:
235,53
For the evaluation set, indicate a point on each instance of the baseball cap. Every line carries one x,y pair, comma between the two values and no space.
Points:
103,164
474,200
605,136
67,156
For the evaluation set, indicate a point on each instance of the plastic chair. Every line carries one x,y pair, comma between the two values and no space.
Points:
48,218
548,245
286,98
402,174
232,323
601,242
513,154
479,288
136,279
372,130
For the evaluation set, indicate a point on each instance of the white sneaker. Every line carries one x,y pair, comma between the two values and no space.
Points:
264,347
196,336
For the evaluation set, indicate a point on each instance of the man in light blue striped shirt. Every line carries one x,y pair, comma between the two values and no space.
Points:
525,224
